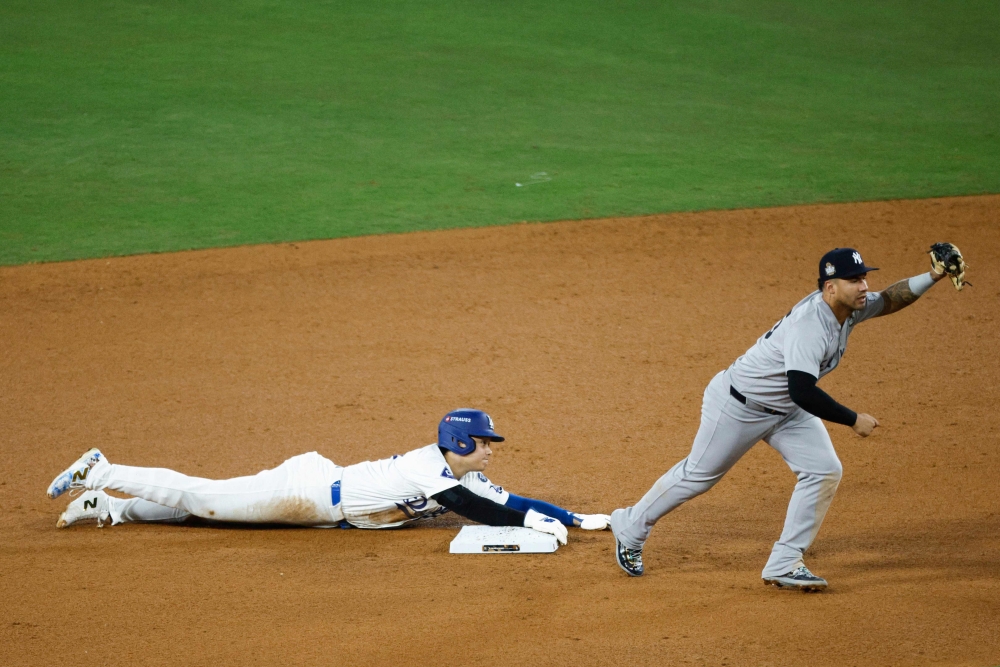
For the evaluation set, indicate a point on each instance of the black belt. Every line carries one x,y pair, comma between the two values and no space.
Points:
743,399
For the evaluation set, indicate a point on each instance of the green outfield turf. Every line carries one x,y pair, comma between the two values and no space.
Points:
136,126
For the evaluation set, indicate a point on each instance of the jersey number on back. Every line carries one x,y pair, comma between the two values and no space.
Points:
768,334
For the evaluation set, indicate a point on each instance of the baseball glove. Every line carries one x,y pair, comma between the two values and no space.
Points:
947,258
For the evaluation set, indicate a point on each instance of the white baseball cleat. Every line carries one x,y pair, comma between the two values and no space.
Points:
74,476
91,506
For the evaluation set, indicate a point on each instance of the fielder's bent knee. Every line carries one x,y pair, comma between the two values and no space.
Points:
828,467
831,471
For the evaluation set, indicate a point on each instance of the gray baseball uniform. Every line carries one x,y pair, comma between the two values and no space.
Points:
807,339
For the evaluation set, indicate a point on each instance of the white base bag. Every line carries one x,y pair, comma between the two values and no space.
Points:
502,540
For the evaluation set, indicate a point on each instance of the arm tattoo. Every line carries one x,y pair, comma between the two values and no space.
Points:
897,296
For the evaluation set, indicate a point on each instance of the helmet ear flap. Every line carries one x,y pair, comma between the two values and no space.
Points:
465,445
455,440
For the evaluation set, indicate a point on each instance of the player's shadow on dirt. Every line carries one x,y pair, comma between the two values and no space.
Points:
923,548
914,550
452,522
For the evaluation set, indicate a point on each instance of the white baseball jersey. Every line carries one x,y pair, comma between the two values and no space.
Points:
391,492
807,339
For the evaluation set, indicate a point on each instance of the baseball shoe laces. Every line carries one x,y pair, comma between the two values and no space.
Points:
74,477
798,579
630,560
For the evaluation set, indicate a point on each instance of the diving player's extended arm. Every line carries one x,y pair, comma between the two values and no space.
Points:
474,507
464,502
901,294
521,504
804,393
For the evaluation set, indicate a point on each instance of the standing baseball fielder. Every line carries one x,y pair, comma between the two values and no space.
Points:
311,490
770,394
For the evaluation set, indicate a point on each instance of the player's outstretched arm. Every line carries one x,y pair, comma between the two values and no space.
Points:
522,504
464,502
899,295
946,260
474,507
565,517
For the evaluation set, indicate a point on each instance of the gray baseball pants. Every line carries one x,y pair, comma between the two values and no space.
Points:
728,430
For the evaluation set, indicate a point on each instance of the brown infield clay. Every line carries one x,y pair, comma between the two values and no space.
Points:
590,343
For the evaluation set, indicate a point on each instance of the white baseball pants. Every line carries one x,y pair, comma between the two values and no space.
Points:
297,492
728,430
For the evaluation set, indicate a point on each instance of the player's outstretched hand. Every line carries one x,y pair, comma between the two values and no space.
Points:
546,524
865,425
593,521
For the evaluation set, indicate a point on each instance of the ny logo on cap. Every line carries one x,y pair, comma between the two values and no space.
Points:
857,258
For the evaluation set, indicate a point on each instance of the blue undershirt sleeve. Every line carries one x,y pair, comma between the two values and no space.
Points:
524,504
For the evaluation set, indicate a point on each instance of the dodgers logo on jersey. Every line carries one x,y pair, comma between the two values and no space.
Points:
416,508
412,507
857,258
447,473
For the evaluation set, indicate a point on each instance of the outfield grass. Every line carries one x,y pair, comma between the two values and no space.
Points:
132,126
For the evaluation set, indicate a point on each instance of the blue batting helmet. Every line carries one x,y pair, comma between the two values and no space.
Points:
456,430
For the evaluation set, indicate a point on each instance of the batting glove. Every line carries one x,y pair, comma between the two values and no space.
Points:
545,524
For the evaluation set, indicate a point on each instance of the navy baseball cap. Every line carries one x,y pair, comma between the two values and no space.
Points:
842,263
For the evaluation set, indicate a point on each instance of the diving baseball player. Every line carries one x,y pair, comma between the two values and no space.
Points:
770,394
310,490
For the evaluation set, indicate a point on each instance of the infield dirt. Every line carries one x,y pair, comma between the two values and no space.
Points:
590,343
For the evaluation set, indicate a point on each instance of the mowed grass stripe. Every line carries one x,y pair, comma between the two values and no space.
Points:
137,127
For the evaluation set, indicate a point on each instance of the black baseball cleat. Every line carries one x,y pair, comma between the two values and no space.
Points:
629,560
799,579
